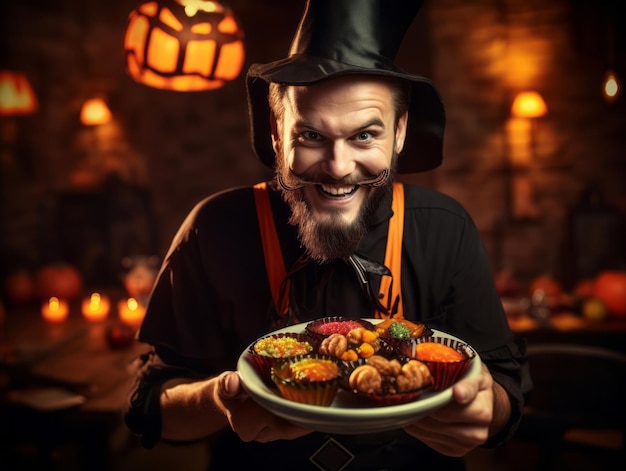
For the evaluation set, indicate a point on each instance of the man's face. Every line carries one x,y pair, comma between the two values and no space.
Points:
334,136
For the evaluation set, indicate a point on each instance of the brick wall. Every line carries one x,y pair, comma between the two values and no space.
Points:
484,52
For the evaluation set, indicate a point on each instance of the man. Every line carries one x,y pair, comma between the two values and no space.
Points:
332,235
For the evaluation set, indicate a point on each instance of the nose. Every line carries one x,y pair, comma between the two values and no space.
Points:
339,162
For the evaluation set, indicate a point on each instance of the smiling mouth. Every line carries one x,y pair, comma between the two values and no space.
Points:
337,192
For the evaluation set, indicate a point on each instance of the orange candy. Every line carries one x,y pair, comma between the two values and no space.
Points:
432,351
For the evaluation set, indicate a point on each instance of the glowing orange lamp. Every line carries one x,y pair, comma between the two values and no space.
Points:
183,45
529,104
95,112
16,94
611,86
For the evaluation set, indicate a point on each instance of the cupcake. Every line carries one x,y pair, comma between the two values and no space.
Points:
398,331
308,379
357,343
447,359
319,329
267,351
388,381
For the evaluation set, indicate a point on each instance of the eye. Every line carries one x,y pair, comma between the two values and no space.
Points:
310,136
364,136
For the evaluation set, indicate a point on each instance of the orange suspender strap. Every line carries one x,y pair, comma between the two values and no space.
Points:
393,256
274,263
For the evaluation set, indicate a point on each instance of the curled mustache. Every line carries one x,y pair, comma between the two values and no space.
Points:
376,181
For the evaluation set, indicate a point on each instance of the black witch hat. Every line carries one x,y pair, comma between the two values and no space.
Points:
351,37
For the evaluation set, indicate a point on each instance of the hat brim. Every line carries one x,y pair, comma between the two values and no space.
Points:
423,147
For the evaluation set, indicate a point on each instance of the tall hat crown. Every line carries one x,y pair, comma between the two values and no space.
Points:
351,37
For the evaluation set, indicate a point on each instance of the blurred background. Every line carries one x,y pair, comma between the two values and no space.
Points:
93,194
104,196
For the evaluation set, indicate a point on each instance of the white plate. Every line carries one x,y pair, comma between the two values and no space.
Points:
340,417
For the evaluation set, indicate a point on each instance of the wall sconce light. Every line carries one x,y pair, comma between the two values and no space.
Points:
183,45
529,104
526,108
16,94
611,86
95,112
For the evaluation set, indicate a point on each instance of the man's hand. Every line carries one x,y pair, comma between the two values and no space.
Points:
248,419
466,422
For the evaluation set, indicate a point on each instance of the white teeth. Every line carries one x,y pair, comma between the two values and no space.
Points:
338,190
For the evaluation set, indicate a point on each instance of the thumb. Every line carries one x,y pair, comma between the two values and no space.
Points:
229,386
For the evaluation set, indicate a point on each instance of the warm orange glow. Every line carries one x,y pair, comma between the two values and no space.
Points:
611,86
131,312
193,6
95,308
55,310
529,105
527,57
519,133
192,45
95,112
16,94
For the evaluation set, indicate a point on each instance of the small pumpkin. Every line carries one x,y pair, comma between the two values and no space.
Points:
62,280
610,288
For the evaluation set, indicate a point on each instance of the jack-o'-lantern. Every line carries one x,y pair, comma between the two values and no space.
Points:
183,45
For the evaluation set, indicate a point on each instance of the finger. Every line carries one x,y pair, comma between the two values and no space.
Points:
465,391
230,387
265,426
453,441
280,430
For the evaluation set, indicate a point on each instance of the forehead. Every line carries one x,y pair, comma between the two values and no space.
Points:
343,93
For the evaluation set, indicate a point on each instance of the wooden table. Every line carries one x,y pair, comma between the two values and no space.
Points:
71,360
570,328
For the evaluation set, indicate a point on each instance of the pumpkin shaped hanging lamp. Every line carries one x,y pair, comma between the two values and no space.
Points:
183,45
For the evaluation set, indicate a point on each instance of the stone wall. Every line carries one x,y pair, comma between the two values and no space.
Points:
180,148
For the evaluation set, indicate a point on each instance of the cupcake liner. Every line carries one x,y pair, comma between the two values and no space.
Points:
264,363
384,398
400,344
321,328
445,373
317,393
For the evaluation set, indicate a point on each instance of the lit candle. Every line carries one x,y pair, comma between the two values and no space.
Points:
131,312
55,310
95,308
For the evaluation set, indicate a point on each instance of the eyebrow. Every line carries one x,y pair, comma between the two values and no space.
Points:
376,122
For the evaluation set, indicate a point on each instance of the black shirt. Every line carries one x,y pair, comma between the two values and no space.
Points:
212,297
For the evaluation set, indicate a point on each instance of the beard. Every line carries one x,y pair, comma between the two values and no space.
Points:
330,237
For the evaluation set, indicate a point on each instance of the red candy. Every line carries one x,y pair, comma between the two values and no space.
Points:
342,327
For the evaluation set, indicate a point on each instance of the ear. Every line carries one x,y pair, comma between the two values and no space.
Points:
274,130
401,131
